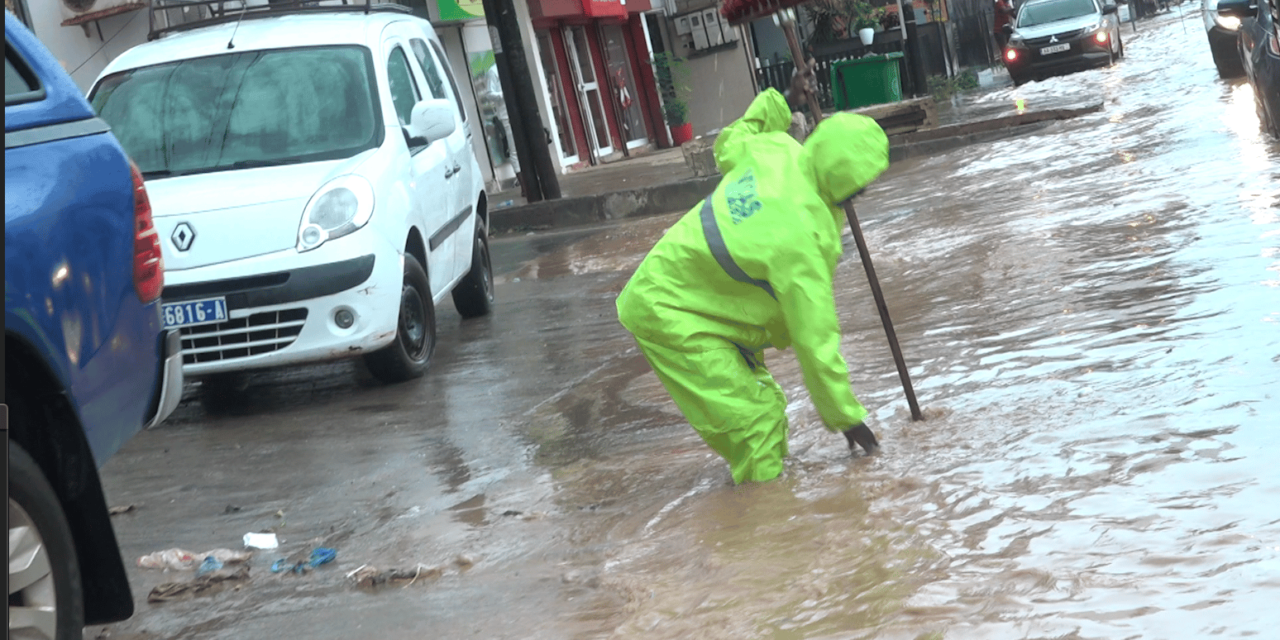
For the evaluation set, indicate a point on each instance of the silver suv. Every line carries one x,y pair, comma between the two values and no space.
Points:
1051,37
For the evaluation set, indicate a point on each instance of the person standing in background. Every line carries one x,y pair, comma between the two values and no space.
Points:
1004,15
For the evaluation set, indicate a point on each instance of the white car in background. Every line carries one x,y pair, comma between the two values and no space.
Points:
313,183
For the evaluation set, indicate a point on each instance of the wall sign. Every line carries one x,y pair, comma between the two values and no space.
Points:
460,9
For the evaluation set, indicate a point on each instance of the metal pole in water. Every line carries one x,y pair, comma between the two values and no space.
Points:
793,42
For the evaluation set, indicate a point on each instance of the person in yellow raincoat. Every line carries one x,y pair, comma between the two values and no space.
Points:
751,267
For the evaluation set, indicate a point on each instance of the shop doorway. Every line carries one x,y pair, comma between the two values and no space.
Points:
584,71
623,85
559,106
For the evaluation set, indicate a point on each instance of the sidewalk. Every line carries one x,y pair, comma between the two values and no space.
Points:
660,181
653,167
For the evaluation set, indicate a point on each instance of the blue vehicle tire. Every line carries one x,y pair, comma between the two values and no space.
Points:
45,593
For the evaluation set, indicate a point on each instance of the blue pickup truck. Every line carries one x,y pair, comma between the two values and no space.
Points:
86,360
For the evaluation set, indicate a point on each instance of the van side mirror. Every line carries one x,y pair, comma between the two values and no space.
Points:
429,121
1110,8
1007,29
1239,8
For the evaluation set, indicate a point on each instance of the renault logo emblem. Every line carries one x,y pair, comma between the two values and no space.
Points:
183,236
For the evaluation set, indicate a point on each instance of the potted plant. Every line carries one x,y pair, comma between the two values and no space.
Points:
866,19
673,84
834,20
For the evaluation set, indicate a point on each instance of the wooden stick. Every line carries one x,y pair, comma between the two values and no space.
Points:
793,41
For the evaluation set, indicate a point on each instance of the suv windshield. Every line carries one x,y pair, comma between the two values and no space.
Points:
240,110
1055,10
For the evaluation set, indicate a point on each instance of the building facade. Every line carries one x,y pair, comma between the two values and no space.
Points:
84,35
718,57
594,58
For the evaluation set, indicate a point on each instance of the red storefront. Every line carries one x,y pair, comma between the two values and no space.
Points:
595,56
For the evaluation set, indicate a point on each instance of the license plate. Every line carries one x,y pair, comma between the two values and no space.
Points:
1057,48
194,312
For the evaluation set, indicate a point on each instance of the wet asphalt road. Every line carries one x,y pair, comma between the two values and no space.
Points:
1091,314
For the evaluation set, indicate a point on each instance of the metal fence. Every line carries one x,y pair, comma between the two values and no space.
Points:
975,41
778,75
972,45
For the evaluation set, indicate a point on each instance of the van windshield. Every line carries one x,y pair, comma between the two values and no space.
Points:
241,110
1055,10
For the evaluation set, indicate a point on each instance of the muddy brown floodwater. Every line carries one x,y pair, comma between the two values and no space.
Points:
1091,314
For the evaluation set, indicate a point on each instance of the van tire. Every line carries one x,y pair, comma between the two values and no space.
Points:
474,294
409,354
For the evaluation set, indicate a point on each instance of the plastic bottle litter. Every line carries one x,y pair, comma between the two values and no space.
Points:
261,540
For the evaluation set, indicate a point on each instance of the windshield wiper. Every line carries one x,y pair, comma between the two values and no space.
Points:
243,164
254,164
158,173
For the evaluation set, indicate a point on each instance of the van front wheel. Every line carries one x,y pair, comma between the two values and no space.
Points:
409,355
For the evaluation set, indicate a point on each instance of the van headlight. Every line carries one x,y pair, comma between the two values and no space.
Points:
340,207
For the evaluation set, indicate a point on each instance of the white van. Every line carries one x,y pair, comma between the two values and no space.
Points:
313,183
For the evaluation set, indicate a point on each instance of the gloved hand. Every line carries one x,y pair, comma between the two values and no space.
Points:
861,436
802,82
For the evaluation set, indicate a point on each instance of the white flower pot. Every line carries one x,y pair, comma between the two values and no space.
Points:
866,35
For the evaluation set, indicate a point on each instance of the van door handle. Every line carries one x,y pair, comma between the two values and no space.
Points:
449,173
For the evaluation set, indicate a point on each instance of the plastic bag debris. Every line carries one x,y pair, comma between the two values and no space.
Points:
209,565
319,556
181,560
261,541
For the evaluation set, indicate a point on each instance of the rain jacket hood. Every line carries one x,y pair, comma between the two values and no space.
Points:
844,154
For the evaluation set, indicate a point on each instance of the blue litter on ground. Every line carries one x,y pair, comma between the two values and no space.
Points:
209,565
319,556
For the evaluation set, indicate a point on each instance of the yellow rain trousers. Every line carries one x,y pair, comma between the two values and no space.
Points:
751,267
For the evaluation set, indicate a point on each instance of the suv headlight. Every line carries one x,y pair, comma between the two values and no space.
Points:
1230,23
340,207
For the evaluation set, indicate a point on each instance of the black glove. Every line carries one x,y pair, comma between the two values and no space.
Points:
861,436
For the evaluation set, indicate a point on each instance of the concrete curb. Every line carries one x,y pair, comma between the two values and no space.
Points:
684,194
579,210
949,137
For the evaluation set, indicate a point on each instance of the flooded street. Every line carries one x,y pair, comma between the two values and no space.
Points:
1091,316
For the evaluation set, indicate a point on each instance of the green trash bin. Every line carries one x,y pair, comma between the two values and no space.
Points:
866,81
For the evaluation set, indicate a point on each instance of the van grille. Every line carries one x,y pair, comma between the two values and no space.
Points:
243,337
